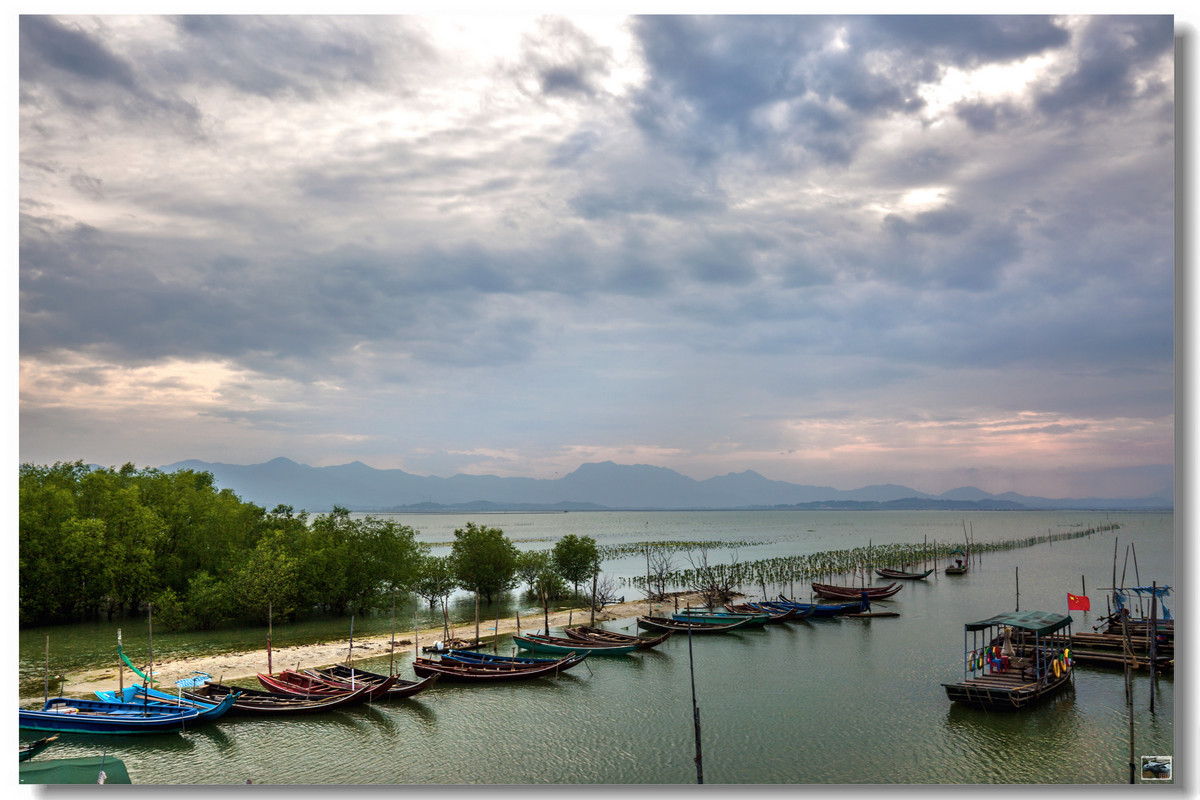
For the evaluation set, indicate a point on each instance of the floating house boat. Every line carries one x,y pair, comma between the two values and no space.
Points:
1013,660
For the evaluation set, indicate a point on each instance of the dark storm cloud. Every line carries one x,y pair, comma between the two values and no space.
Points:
562,60
60,60
1113,49
713,78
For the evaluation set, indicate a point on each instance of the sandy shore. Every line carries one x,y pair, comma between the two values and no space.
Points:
235,666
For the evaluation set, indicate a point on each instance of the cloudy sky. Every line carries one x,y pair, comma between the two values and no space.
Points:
934,251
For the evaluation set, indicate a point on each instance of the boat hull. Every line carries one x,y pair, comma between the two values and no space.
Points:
97,716
999,692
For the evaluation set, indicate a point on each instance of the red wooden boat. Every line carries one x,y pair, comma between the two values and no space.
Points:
298,683
832,592
349,678
254,702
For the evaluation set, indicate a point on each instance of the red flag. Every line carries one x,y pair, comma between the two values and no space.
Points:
1078,602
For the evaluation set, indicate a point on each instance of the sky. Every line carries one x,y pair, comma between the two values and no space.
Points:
843,251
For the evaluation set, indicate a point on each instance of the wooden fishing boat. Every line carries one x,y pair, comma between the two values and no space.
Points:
257,703
587,633
450,670
960,565
451,644
803,610
831,592
719,617
871,614
902,575
474,657
773,617
31,749
349,678
1002,672
298,683
138,694
540,643
71,715
695,626
817,609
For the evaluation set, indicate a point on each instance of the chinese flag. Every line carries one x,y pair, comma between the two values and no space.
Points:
1078,602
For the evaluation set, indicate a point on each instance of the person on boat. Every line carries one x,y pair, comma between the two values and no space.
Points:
958,563
866,603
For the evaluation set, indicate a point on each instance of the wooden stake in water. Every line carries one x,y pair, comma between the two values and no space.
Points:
47,669
695,708
392,649
1018,569
270,617
1153,639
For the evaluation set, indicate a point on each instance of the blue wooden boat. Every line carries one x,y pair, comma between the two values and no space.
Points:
719,617
818,609
562,645
70,715
474,657
137,694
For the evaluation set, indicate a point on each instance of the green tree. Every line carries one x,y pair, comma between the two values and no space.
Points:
485,562
575,558
270,578
530,564
436,584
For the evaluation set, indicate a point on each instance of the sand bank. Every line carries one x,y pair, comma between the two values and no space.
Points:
237,666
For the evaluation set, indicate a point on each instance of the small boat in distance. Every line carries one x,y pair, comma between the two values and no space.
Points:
902,575
999,675
960,564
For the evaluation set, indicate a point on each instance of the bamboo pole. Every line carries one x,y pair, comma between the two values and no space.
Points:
47,686
1018,569
270,617
695,708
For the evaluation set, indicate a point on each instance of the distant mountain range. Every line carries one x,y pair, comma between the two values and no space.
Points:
595,487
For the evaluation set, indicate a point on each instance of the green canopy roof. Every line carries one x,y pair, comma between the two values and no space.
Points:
1040,622
85,769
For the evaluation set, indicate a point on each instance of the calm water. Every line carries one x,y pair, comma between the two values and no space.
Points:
824,702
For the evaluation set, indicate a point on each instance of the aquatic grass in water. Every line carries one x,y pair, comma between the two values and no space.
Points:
829,563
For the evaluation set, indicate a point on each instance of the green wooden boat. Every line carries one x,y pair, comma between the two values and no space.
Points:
720,617
560,645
